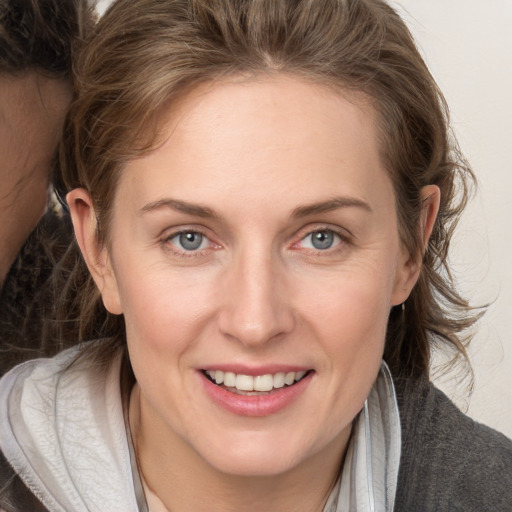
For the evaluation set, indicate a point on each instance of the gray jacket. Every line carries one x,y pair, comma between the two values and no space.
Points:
449,462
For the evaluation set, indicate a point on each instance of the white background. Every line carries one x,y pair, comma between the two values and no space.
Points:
468,47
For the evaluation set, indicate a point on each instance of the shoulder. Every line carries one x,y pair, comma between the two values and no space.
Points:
448,461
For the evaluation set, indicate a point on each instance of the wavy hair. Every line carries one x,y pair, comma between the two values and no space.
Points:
144,54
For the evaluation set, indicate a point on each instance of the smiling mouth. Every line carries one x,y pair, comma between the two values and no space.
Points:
254,385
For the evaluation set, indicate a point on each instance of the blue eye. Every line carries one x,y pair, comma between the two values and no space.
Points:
321,240
189,240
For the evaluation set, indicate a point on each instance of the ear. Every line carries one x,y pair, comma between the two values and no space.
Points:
96,255
410,266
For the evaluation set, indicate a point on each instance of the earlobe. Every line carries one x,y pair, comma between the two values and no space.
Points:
410,267
95,254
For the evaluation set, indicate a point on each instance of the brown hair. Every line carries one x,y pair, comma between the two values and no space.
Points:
145,53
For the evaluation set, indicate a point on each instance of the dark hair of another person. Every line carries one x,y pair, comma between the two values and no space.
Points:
145,54
39,35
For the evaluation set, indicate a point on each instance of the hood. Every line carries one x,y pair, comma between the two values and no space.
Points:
64,434
370,473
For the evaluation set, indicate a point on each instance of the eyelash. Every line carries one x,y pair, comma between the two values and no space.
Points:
184,253
342,239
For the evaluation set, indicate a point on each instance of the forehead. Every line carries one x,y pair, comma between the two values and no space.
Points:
258,135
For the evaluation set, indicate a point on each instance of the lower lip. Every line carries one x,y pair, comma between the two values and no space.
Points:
255,405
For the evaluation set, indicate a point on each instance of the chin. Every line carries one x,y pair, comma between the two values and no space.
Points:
254,458
256,466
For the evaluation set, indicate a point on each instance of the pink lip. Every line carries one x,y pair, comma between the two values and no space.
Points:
255,405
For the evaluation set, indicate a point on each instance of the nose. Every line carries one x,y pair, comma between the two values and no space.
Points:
256,308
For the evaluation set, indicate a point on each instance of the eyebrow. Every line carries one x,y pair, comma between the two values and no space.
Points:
329,205
301,211
181,206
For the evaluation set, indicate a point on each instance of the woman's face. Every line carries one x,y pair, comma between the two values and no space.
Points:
257,247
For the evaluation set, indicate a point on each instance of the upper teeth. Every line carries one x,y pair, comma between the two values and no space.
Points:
258,383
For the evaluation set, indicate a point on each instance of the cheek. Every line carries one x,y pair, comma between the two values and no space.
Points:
164,309
353,330
350,322
349,316
351,300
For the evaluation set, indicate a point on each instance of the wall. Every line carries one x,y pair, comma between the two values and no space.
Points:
468,47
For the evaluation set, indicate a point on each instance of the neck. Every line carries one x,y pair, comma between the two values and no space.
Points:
170,466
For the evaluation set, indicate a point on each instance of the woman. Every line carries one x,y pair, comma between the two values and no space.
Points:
264,193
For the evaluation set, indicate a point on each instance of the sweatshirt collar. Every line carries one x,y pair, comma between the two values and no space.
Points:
370,473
